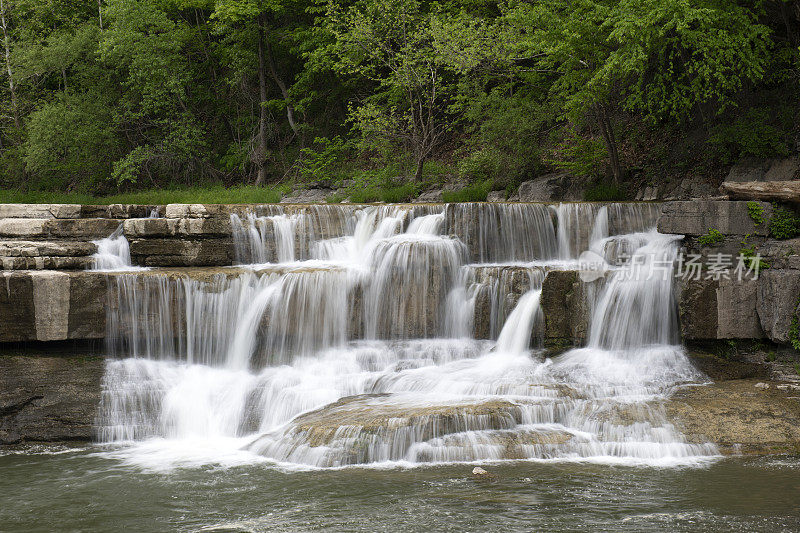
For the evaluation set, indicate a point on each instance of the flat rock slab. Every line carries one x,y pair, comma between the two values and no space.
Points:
43,211
738,416
38,228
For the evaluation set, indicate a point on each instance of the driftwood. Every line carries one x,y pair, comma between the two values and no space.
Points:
782,191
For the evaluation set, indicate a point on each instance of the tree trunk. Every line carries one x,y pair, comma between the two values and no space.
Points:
783,191
420,164
261,150
610,141
284,91
7,47
100,12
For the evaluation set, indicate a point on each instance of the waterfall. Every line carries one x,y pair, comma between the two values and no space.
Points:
113,253
398,333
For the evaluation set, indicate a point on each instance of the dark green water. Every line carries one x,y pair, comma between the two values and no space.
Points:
83,490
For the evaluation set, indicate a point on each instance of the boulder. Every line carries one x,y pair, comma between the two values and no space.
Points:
784,169
697,217
749,169
551,187
782,191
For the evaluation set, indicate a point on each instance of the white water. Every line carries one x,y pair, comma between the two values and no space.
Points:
362,345
113,253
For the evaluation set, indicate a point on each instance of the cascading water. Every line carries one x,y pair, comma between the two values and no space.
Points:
113,253
373,341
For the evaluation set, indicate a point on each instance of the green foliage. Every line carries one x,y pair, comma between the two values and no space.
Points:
475,192
771,356
784,224
794,333
752,134
580,156
750,256
168,93
391,194
604,192
711,238
484,164
325,161
70,141
756,212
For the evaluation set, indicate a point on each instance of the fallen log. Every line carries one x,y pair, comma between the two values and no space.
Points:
782,191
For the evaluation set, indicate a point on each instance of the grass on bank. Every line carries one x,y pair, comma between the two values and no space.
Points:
246,194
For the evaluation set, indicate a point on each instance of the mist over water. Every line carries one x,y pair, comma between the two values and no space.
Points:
400,335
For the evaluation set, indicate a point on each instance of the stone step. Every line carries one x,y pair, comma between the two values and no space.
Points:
20,248
39,228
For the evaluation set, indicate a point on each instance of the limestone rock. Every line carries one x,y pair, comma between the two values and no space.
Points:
566,303
120,211
182,252
749,169
430,196
738,416
40,211
212,226
49,398
80,228
52,305
45,263
718,309
777,300
551,187
699,216
16,248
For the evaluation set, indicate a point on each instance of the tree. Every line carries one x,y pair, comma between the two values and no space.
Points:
259,12
663,59
390,44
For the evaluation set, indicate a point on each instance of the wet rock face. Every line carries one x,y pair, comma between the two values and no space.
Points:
566,303
48,398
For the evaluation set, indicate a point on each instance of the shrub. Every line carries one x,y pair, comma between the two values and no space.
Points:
481,165
711,238
748,253
605,192
784,224
475,192
756,212
750,135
